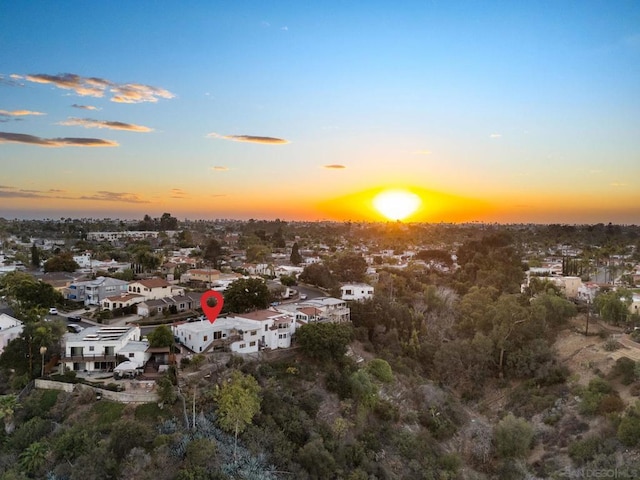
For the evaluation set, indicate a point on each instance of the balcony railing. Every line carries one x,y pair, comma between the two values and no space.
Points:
89,358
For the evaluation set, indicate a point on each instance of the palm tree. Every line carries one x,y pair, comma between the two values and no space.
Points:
34,457
8,405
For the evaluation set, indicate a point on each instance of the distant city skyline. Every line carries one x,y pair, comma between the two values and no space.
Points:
499,111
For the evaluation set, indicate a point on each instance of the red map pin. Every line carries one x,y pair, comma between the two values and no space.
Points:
211,312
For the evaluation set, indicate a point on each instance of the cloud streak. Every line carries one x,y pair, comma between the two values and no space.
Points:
220,168
99,87
103,196
91,123
177,193
334,166
7,137
19,113
84,107
250,139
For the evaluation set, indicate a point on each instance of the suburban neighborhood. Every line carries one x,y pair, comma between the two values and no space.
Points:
119,315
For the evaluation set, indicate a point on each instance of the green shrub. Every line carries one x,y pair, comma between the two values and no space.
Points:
381,370
149,412
584,450
629,430
626,369
599,398
107,412
513,437
29,432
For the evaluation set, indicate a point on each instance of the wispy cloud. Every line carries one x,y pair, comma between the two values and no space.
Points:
90,123
618,184
177,193
19,113
138,93
98,87
422,152
11,80
220,168
13,192
495,135
104,196
250,139
334,167
85,107
7,137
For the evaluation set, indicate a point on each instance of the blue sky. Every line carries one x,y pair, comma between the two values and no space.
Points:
490,111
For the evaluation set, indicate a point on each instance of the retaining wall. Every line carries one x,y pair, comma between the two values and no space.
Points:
121,397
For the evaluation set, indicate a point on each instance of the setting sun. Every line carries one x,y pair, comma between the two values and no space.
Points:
396,204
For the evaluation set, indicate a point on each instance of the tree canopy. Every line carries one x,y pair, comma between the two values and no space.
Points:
25,292
238,401
161,336
349,267
324,341
245,295
319,275
63,262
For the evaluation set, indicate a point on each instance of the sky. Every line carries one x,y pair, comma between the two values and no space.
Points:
488,111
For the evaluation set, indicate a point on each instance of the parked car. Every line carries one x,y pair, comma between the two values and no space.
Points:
73,328
53,311
75,318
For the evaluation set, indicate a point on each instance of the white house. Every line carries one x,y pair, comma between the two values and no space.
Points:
320,309
288,270
356,291
245,333
10,328
136,352
102,348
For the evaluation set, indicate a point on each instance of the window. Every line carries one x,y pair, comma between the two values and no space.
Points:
131,355
252,344
266,327
348,292
282,335
206,337
217,335
92,348
254,333
243,345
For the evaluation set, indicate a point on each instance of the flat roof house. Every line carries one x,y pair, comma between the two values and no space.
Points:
101,348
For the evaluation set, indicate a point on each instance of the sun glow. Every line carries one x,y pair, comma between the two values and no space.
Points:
396,204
